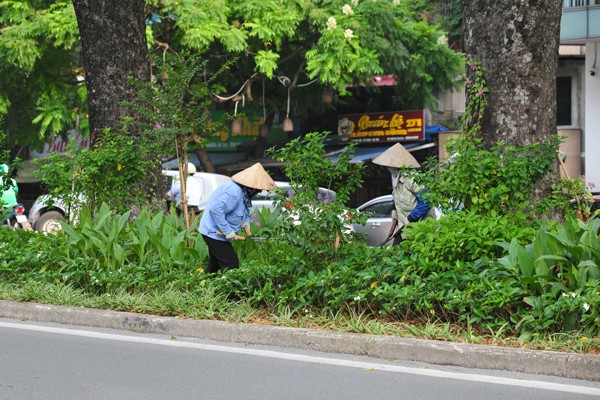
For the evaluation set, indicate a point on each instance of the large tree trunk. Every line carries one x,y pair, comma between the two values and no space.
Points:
114,48
113,37
517,42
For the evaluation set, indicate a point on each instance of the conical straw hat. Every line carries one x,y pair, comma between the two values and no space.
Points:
396,157
254,177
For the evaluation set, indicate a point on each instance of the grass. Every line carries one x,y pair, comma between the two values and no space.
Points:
211,305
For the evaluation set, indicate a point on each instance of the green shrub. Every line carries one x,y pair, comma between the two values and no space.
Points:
315,222
464,236
107,252
116,171
554,268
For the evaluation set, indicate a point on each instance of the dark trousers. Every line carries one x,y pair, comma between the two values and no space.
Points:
221,255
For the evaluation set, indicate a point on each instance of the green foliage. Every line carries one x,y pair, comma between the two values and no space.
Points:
56,111
39,66
313,219
265,225
571,194
175,104
547,286
114,171
499,181
465,236
332,42
555,265
107,252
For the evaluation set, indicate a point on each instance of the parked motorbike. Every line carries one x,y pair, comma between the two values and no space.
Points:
17,219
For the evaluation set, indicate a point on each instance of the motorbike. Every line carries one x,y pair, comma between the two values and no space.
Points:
16,218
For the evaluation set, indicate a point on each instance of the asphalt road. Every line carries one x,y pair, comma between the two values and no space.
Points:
52,361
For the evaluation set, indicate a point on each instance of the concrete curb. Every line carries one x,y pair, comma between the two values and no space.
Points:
567,365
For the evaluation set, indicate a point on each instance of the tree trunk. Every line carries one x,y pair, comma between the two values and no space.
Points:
114,48
517,42
113,37
205,160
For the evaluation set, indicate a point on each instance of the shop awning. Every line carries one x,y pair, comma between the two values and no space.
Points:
434,129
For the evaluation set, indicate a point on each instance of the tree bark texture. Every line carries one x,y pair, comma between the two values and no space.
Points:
517,42
205,160
114,48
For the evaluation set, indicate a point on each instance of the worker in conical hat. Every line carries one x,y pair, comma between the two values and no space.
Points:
227,212
408,201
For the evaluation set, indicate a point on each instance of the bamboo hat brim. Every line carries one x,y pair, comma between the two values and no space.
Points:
396,157
254,177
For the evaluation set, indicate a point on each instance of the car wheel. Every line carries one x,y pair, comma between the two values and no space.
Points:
49,222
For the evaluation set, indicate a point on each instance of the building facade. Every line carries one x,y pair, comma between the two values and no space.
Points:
578,87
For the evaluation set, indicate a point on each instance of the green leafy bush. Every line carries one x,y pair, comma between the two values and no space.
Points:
106,252
115,171
552,271
314,221
464,236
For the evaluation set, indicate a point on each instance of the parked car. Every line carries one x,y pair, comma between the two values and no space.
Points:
377,227
47,212
378,224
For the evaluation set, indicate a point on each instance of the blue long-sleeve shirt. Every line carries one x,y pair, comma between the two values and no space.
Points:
225,212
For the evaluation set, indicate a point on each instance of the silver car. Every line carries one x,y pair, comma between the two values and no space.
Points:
378,224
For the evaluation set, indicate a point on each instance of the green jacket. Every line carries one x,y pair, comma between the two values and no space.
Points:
9,195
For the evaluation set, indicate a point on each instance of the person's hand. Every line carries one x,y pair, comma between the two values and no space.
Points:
231,236
246,229
403,220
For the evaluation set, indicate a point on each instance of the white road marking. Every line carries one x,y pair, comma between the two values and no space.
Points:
312,359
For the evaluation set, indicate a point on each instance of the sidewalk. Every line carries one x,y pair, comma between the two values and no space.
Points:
568,365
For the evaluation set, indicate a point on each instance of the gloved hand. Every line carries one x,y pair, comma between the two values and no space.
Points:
403,220
410,218
231,236
246,229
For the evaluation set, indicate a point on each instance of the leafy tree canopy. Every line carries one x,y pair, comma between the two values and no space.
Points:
334,43
39,65
328,43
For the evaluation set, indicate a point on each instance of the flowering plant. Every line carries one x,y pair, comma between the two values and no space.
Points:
321,220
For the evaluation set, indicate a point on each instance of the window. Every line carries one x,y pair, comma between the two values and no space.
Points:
563,101
577,3
380,210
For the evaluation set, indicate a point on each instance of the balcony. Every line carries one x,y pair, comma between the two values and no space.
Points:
580,21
